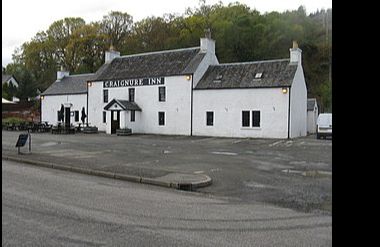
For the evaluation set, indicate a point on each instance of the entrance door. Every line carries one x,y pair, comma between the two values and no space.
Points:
67,116
115,121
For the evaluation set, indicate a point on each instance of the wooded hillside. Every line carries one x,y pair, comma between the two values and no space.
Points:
241,34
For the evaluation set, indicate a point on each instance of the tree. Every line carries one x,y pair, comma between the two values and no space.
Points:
116,26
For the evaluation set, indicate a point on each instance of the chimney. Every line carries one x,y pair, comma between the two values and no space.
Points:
62,73
295,53
111,54
208,44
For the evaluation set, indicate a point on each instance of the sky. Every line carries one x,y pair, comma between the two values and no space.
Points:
22,19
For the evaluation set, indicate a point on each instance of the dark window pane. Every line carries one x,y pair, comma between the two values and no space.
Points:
256,119
245,119
105,95
104,117
132,116
76,116
131,95
161,118
57,115
161,94
210,118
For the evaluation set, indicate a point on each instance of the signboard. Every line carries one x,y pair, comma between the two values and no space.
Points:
22,138
134,82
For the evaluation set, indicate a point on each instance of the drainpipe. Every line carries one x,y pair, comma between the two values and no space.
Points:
191,106
289,116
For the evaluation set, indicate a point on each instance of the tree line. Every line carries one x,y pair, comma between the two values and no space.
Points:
241,34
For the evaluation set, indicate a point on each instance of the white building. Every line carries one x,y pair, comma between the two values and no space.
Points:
187,92
69,91
312,115
11,81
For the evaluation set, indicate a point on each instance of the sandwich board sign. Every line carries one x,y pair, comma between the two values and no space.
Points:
22,138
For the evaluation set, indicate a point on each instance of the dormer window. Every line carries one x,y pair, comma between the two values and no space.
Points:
258,75
218,78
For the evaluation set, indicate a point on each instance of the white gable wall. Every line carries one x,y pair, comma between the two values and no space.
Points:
51,104
228,104
298,105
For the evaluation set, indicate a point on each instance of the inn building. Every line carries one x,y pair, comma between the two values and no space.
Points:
186,92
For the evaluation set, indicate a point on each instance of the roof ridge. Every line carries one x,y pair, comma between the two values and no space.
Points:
254,62
158,52
80,75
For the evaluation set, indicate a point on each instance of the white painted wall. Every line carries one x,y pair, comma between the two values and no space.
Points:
312,121
51,104
298,104
177,107
228,104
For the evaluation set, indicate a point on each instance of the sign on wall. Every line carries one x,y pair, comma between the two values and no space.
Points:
134,82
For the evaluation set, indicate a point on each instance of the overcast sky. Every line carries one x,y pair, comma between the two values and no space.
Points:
22,19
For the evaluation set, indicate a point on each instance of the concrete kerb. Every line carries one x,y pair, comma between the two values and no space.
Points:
137,179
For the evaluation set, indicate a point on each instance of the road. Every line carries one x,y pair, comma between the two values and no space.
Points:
46,207
250,170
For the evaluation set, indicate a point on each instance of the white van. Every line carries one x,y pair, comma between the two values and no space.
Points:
324,125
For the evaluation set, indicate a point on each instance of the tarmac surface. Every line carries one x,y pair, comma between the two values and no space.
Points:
49,207
293,174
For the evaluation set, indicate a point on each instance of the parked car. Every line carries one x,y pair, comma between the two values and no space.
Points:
324,125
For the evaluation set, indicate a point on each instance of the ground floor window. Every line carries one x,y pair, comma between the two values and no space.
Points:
132,116
255,118
246,119
76,114
210,118
104,117
161,118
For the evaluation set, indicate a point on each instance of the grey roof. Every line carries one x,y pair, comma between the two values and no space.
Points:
124,104
311,103
5,78
275,73
162,63
73,84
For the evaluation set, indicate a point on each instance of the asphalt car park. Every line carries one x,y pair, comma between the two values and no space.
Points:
294,173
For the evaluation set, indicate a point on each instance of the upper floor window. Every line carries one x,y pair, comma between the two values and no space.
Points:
131,94
161,94
105,95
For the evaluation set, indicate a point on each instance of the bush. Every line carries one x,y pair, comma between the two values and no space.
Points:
13,120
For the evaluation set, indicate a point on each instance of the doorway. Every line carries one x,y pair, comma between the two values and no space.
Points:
115,121
67,116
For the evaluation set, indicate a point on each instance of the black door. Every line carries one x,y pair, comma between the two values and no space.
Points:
115,121
67,116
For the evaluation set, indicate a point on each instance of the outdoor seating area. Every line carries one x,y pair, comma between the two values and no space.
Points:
32,126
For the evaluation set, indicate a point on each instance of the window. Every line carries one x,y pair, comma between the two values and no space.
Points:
255,118
132,116
104,117
245,119
76,114
210,118
57,115
161,94
161,118
258,75
105,95
131,92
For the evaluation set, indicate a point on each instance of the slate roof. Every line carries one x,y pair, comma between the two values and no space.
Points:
275,73
152,64
310,104
5,78
73,84
124,104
